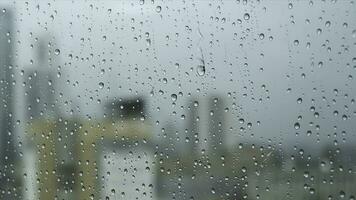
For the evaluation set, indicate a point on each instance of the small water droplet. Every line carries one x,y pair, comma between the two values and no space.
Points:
299,100
57,52
261,36
158,9
290,5
101,85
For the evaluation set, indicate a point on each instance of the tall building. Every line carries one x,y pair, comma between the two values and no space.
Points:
8,152
42,113
40,100
123,155
216,124
193,126
41,110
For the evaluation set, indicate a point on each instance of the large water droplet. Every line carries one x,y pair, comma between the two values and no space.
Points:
174,97
201,70
296,126
246,16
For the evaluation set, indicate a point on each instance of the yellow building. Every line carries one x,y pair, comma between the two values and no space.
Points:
88,160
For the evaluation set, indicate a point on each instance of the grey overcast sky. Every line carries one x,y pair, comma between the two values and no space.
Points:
254,53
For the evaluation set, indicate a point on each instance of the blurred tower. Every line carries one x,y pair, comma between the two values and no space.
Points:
193,126
8,152
168,141
216,124
40,112
40,101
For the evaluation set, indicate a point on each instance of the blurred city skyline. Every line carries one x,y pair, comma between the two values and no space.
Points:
122,50
98,93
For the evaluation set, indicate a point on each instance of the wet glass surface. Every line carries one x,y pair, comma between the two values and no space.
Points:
198,100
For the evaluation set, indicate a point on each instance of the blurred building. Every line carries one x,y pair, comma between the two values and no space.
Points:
40,82
216,125
79,159
40,108
8,152
193,126
126,160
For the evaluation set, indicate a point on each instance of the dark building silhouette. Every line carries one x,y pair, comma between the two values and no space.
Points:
125,109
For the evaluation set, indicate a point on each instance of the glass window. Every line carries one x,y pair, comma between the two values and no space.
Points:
183,99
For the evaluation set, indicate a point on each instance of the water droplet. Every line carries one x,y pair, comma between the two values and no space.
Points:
320,64
196,103
344,117
101,85
212,190
311,190
299,100
261,36
296,126
246,16
158,9
241,120
57,52
174,97
201,70
290,5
